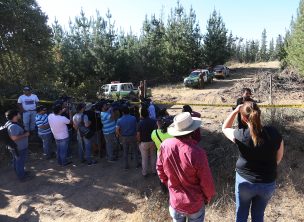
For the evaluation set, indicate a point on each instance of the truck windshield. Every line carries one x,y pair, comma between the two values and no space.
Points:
114,88
194,74
105,88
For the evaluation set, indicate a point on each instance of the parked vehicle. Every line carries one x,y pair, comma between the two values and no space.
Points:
198,78
117,90
221,71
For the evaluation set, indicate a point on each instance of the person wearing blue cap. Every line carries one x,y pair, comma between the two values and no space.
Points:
27,104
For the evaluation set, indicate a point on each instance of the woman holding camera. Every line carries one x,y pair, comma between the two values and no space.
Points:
260,151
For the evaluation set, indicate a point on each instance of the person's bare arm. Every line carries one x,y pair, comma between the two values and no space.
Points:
20,107
280,153
138,137
227,125
46,126
117,131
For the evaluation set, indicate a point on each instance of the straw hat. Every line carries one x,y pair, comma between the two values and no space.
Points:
184,124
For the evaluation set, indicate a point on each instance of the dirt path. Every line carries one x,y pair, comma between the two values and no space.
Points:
103,192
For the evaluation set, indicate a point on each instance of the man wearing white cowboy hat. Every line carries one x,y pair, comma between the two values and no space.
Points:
183,167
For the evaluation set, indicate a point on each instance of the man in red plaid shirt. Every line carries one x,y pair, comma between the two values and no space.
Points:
183,167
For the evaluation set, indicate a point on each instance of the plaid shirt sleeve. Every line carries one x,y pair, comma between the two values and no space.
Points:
205,177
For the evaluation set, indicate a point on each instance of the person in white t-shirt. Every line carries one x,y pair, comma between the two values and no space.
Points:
27,104
59,129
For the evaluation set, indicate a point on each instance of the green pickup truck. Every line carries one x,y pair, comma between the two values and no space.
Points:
198,78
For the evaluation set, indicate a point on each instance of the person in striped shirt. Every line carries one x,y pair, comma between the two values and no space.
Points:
44,130
109,128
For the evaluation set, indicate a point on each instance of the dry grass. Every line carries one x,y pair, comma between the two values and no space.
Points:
272,65
287,203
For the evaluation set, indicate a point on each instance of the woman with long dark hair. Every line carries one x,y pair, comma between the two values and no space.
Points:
260,151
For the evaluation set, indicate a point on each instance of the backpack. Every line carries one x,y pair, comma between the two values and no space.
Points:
85,131
5,139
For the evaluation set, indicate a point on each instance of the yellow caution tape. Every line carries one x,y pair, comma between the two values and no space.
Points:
299,106
231,105
40,101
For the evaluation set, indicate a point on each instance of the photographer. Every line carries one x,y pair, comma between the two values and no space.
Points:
67,104
93,114
82,125
109,128
44,130
126,130
58,124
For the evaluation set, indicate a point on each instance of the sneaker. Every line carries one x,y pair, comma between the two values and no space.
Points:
92,163
112,161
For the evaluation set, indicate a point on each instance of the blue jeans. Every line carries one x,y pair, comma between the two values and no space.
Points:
254,195
29,120
47,143
180,217
70,151
19,162
111,145
62,149
84,147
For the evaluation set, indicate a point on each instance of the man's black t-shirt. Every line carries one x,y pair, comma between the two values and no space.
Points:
95,120
258,164
145,129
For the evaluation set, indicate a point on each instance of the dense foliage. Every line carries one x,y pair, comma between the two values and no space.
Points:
25,46
295,44
78,60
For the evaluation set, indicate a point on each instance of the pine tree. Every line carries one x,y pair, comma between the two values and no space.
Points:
271,51
295,48
263,55
182,42
278,47
216,50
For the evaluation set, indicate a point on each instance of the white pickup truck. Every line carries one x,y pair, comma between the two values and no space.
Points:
117,90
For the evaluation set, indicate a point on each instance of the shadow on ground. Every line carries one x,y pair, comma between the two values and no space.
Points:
91,188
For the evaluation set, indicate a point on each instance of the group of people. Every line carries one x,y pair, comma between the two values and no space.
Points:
167,146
